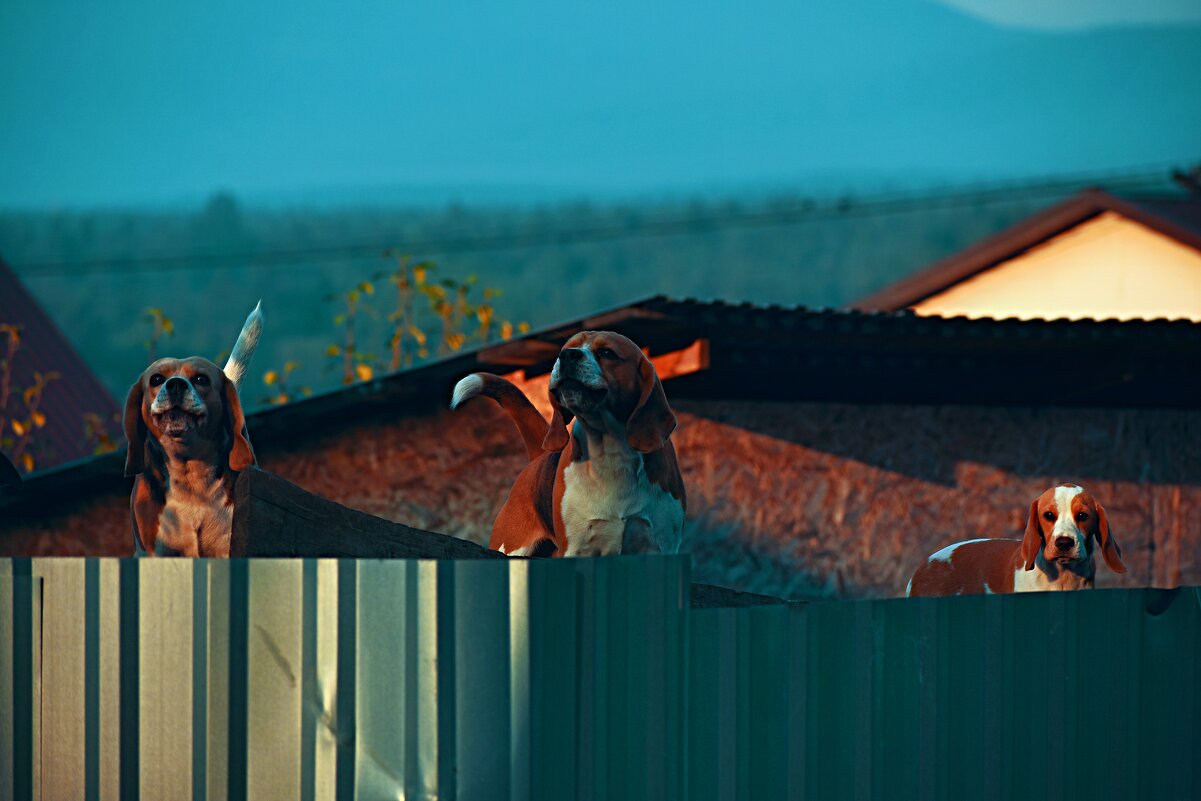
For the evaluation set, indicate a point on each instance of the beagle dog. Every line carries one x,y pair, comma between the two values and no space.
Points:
187,444
609,483
1056,553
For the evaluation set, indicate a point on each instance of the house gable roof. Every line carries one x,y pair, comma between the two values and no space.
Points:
1176,217
44,348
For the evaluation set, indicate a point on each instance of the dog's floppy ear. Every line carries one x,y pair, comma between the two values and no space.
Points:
652,420
135,431
1032,543
557,436
1109,546
240,454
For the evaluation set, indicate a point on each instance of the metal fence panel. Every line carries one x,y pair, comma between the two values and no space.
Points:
21,611
212,593
1047,696
273,663
482,683
20,621
586,679
7,769
103,590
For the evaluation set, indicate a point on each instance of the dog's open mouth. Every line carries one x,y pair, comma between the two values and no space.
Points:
577,397
176,422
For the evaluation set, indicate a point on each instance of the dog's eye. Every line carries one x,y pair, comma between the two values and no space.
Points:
156,379
201,380
1082,516
607,353
1050,516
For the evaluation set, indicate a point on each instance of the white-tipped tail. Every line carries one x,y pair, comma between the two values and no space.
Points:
470,387
529,421
248,340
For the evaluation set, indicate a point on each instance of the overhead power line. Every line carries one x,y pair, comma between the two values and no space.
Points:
799,212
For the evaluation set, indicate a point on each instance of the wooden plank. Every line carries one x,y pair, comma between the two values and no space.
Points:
684,361
7,702
275,518
63,739
274,660
109,679
165,678
321,676
525,352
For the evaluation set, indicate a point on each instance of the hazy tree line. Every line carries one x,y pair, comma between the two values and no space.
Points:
341,292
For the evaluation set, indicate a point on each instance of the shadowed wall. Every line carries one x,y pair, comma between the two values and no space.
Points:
788,499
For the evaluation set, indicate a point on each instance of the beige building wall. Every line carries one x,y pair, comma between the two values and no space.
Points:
1108,267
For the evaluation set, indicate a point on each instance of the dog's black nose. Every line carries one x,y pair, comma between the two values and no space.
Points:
571,354
1064,543
176,384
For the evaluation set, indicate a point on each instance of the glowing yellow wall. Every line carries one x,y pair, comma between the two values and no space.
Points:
1107,267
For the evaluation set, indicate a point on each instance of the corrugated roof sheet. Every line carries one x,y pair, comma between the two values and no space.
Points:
45,349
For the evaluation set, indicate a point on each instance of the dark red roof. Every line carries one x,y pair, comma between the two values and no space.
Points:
76,392
1175,217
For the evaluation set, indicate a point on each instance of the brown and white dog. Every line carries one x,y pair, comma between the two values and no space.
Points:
1055,554
609,483
187,444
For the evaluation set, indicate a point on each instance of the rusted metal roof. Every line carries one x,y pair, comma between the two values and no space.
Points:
1175,217
67,399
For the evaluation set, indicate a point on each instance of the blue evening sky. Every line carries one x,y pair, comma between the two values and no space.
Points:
147,102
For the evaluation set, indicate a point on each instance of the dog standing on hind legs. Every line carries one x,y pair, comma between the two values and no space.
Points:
608,484
187,445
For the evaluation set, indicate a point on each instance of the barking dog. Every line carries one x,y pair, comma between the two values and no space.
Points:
1064,526
187,444
609,484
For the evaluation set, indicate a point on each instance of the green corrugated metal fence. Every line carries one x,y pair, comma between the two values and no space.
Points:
1039,696
588,679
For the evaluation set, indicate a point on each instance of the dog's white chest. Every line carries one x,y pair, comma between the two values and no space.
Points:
1037,580
606,496
196,524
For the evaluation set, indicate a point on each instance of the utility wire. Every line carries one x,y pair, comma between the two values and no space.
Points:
800,212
